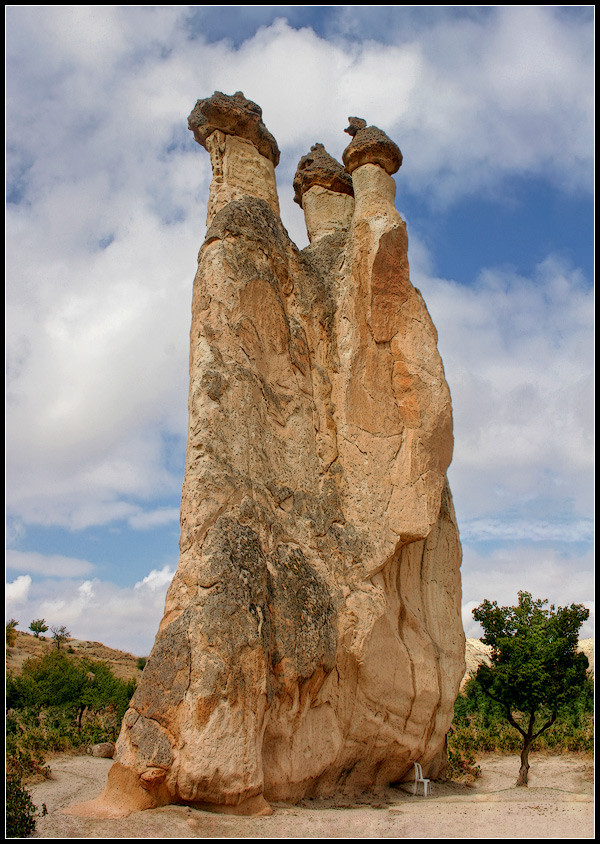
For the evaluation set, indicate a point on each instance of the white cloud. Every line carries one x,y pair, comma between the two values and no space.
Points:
50,565
18,591
96,610
529,530
154,518
518,357
157,580
563,578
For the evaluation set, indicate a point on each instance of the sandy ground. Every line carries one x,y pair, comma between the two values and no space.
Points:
557,804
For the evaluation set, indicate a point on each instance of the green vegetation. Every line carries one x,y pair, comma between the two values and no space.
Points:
536,692
38,626
57,703
60,635
11,633
20,810
480,726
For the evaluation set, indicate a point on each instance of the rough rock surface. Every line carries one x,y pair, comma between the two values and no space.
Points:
234,116
104,750
369,145
312,642
319,168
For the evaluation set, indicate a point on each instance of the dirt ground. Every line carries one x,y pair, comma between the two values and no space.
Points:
557,804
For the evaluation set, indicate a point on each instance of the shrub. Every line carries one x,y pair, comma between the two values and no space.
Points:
61,703
461,763
11,633
20,810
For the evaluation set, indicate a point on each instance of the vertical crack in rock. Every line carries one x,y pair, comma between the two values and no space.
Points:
312,640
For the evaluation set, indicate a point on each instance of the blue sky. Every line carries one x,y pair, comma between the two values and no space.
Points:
493,108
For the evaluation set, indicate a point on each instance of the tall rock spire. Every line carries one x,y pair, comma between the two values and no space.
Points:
243,152
312,642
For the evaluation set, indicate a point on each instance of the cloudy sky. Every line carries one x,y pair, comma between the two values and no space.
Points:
493,109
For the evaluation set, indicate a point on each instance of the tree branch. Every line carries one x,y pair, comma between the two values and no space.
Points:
545,727
509,715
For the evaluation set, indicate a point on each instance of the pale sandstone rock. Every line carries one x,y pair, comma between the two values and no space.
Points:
104,750
326,212
238,170
312,642
319,168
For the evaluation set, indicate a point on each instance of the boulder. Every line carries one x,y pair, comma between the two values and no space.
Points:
104,750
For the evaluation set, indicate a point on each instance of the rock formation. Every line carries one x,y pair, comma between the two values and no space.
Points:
312,642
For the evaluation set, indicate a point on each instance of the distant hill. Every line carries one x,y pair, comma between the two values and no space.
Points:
477,652
122,664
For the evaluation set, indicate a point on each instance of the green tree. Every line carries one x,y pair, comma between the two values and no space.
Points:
50,680
38,626
11,633
535,666
60,635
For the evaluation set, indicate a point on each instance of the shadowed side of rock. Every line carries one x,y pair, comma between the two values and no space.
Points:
311,643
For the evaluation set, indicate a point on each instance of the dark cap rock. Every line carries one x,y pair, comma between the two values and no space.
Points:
320,168
233,115
370,145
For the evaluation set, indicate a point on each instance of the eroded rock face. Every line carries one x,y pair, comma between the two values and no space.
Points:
312,640
235,116
370,145
318,168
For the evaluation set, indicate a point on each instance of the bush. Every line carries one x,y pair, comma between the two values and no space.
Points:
57,704
11,633
461,763
20,810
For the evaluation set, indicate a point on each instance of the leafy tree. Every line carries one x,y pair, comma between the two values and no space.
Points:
11,633
38,626
535,666
56,679
60,635
104,689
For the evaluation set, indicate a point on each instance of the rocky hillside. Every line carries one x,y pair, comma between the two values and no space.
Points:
122,664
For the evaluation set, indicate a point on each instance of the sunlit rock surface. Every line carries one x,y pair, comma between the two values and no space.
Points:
312,641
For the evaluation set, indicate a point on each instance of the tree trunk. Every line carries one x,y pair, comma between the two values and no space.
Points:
527,740
522,778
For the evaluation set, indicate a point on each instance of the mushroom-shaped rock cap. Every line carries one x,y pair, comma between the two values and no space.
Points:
370,145
320,168
233,115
